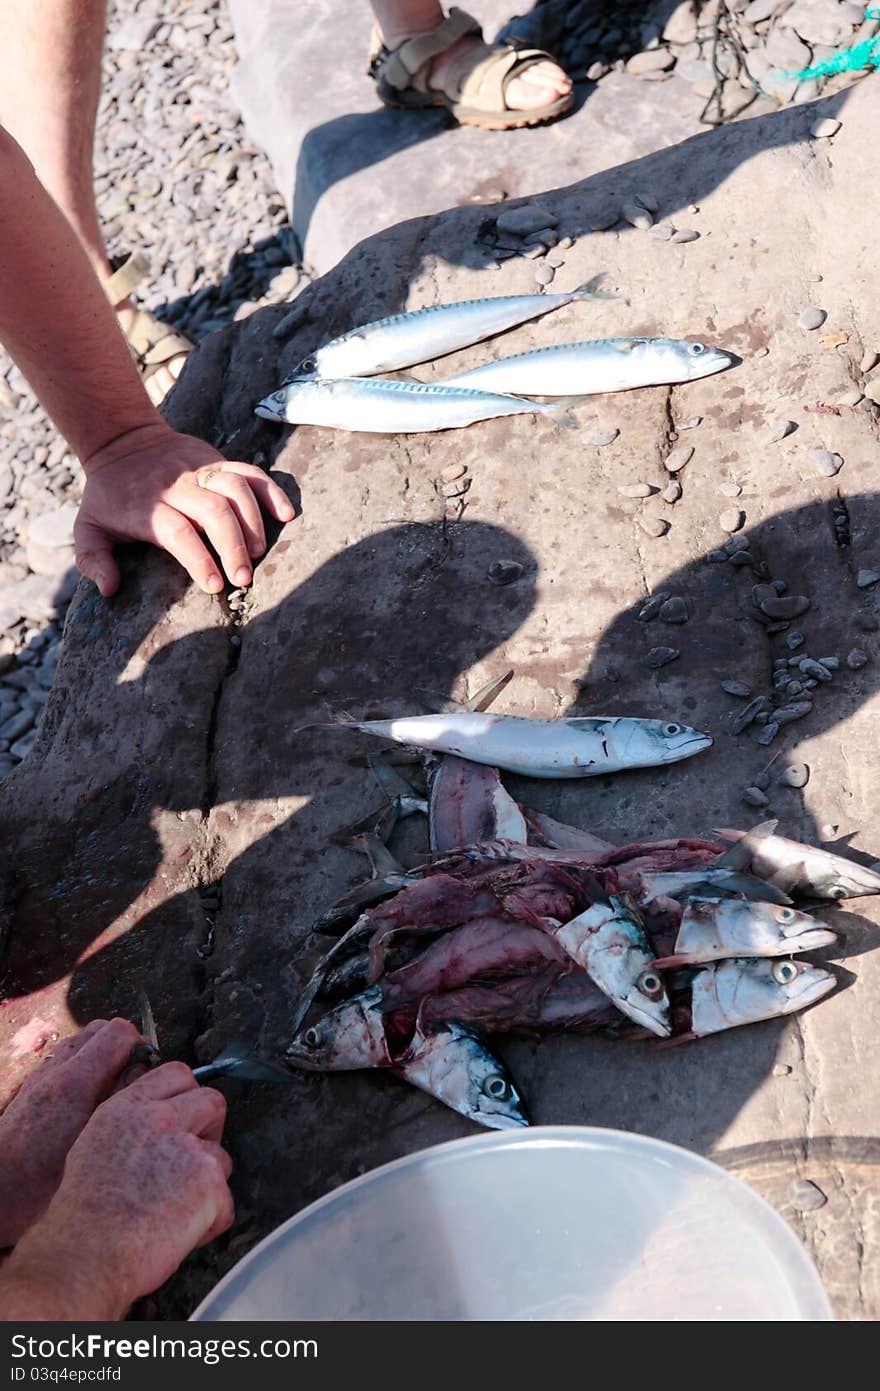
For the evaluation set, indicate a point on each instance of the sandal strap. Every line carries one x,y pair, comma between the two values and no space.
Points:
154,342
481,82
126,277
400,67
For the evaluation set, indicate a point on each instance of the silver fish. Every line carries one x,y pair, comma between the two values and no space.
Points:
742,991
348,1037
714,928
609,941
375,405
569,748
708,882
796,868
605,364
453,1065
405,339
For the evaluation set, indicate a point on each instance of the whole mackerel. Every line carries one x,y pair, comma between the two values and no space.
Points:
382,406
402,340
588,369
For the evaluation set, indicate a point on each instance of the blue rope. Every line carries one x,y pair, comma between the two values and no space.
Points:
862,55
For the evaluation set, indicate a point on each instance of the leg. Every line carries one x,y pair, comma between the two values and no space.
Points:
399,20
50,86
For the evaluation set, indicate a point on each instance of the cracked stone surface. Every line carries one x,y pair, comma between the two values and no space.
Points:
171,829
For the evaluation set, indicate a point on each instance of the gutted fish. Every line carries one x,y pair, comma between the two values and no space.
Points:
610,942
452,1064
713,928
479,950
351,1036
795,868
402,340
376,405
742,991
468,804
605,364
568,748
705,883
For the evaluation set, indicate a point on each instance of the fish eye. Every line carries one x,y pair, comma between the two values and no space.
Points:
697,348
308,364
837,891
313,1037
650,984
785,915
784,972
670,729
497,1087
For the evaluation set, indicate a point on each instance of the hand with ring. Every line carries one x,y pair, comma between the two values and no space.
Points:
152,484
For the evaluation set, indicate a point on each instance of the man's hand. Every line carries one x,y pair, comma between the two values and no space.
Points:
153,484
40,1125
144,1184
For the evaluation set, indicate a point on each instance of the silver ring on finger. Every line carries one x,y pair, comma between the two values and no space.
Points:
205,476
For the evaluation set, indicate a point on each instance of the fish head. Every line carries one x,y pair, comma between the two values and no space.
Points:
615,951
744,990
350,1036
723,927
835,878
635,743
452,1064
273,406
684,360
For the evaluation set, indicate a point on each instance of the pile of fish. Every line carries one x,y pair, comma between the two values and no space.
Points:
337,387
519,924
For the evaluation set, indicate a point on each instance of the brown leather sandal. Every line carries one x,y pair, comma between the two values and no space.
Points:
153,344
476,84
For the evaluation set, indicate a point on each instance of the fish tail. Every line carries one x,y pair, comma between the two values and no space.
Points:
560,412
590,290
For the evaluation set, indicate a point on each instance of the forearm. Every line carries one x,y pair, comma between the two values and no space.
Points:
40,1282
55,320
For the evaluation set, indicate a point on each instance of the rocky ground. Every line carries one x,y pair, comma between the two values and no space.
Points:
176,178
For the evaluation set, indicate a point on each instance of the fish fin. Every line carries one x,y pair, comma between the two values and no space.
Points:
671,963
483,698
622,345
786,878
590,290
377,852
560,412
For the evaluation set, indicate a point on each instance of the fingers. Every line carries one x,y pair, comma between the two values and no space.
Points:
220,524
162,1083
175,534
225,1208
266,490
94,556
95,1065
202,1112
230,484
68,1047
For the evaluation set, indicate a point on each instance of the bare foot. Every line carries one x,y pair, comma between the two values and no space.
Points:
543,84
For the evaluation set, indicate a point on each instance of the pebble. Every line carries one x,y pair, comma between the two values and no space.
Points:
815,669
824,463
783,606
674,611
672,492
564,243
730,489
806,1196
865,579
636,490
690,424
646,200
769,733
736,688
742,558
869,362
810,319
736,543
453,471
17,725
732,520
596,71
603,222
755,797
793,688
599,438
849,398
532,217
651,607
778,430
856,659
677,459
651,60
457,488
781,1070
794,775
662,231
503,572
662,656
653,526
832,663
748,715
685,234
717,557
544,275
794,641
637,216
825,128
828,831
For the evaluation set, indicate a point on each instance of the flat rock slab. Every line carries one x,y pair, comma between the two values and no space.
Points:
176,825
348,167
